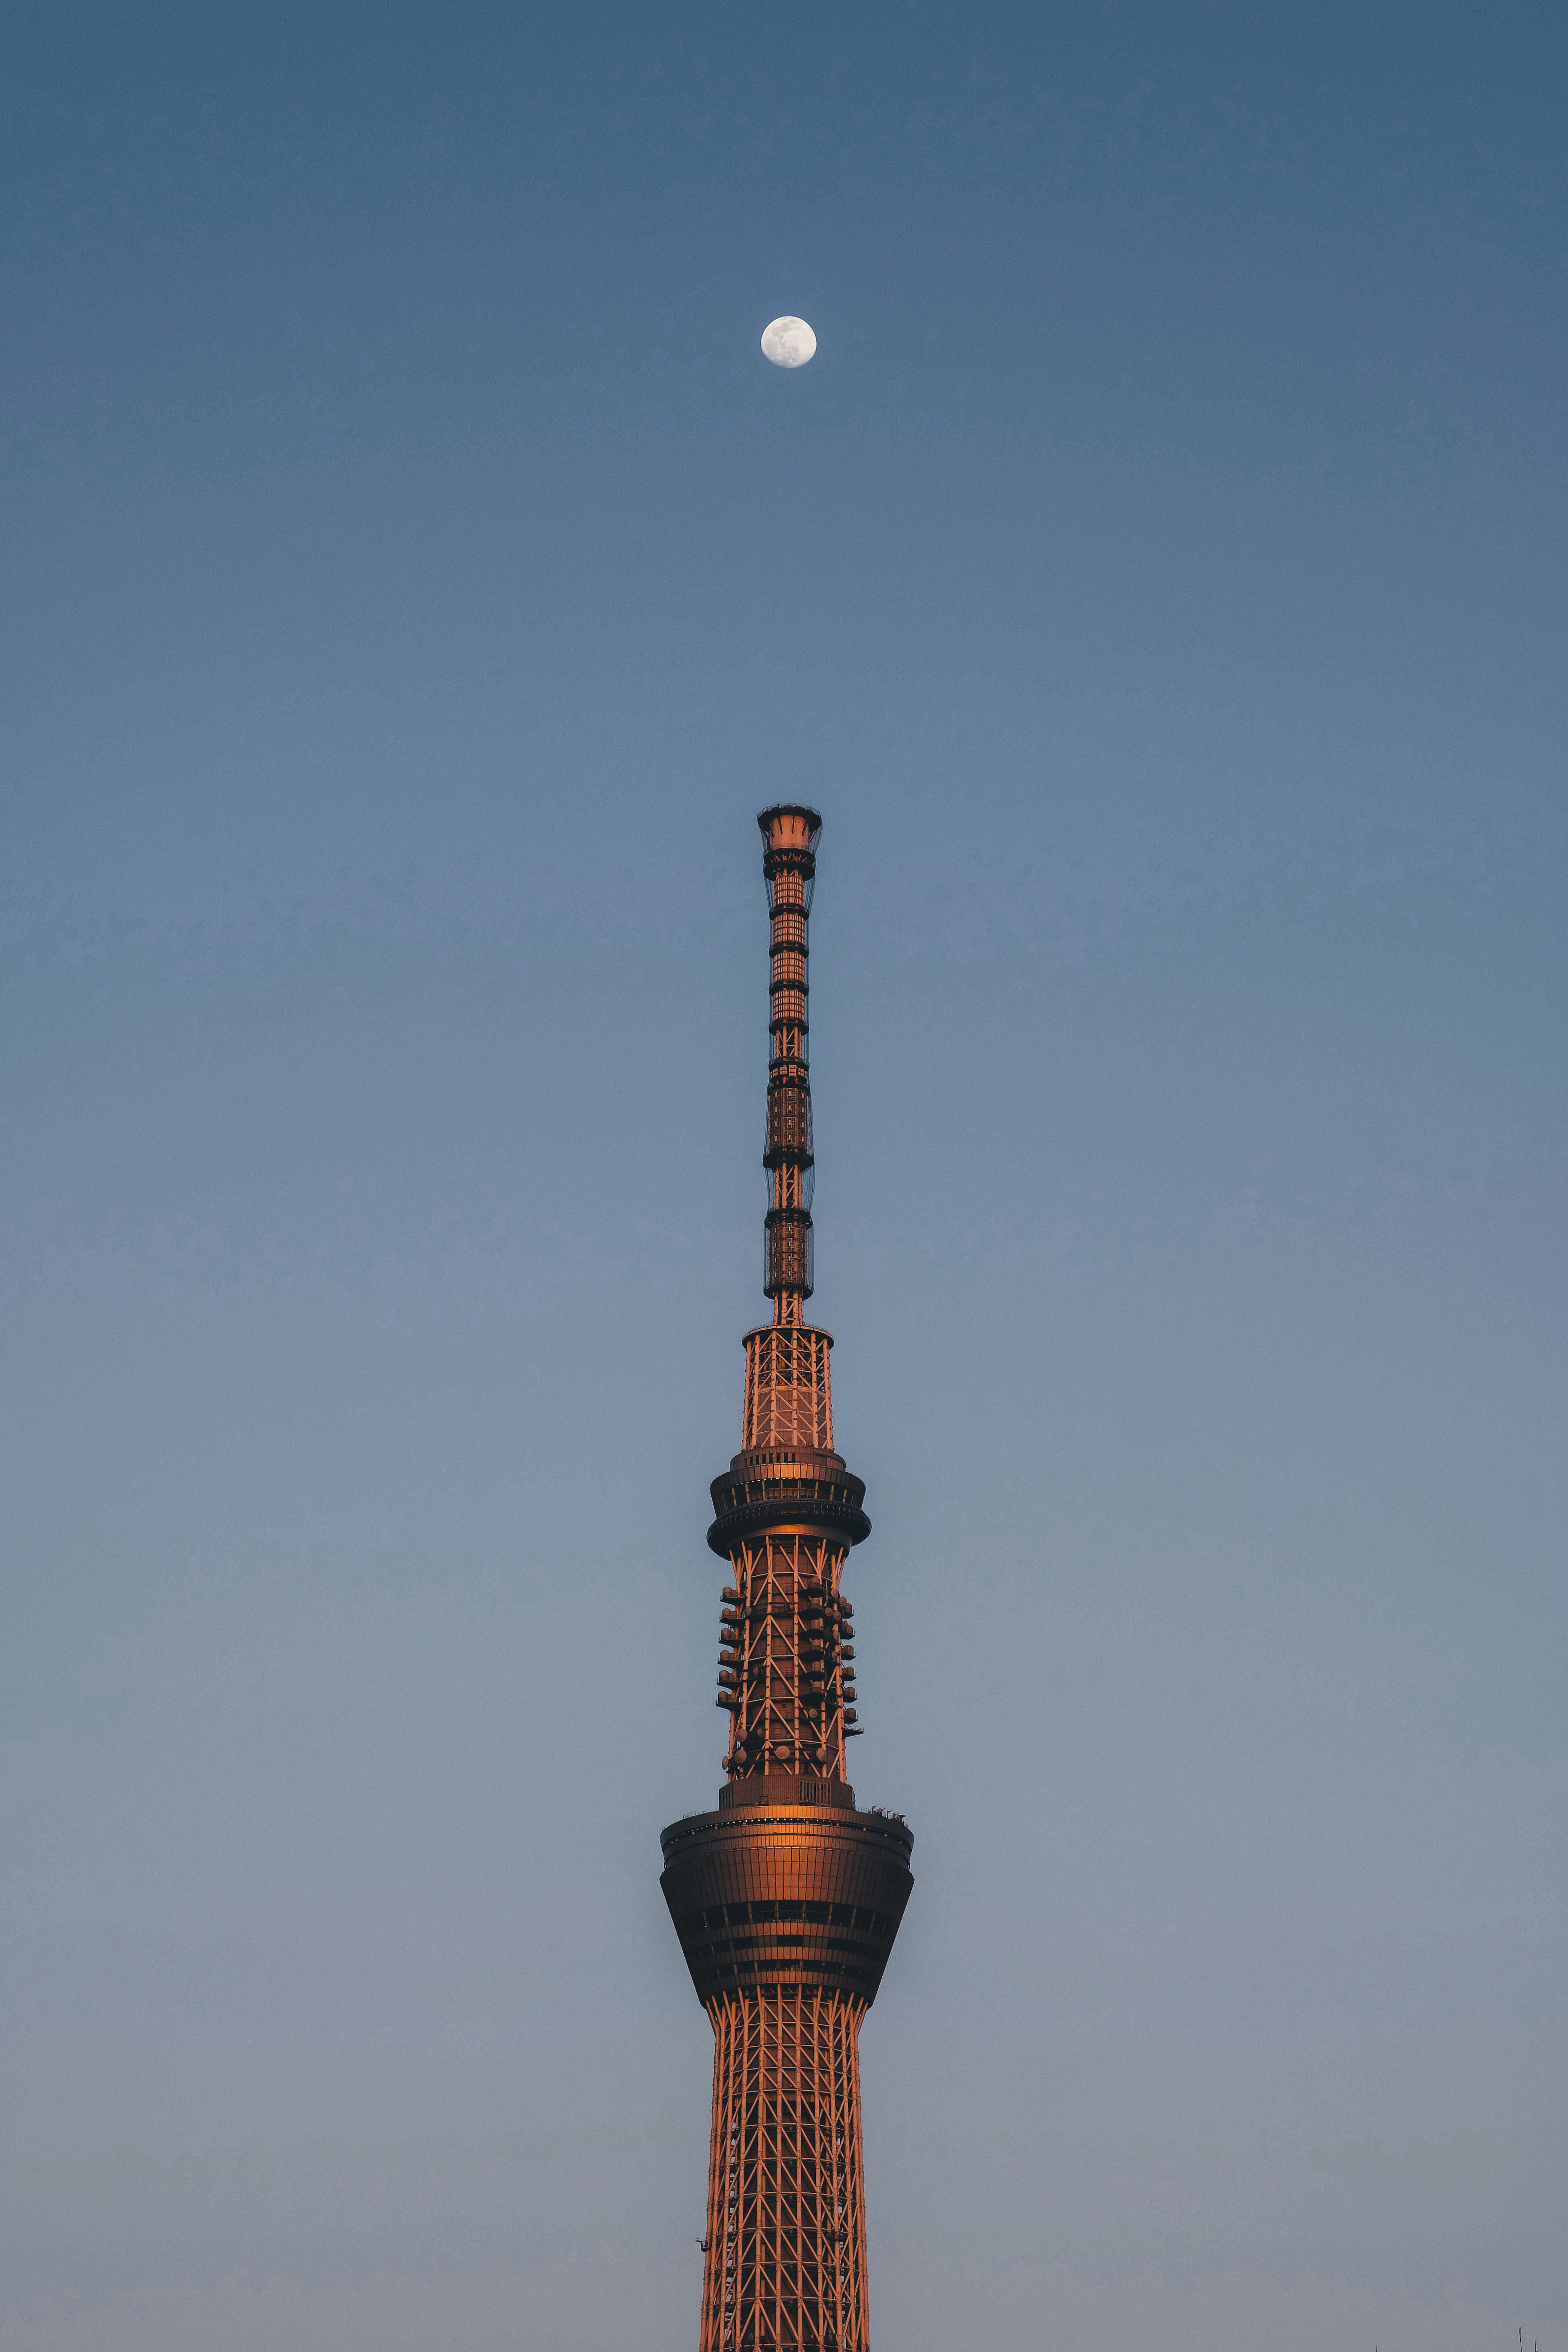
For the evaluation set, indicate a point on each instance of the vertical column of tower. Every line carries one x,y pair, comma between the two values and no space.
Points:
786,1673
786,1899
786,2218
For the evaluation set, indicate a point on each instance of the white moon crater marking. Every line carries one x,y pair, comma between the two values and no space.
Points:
789,343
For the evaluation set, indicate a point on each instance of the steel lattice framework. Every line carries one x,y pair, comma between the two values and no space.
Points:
786,2226
787,1898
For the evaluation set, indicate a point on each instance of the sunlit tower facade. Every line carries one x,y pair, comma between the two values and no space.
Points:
786,1898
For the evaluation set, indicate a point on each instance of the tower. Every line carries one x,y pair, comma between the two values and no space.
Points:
786,1899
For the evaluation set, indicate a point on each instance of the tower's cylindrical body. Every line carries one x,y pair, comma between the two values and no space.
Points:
786,1898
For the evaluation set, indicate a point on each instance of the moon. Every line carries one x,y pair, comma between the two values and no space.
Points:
789,343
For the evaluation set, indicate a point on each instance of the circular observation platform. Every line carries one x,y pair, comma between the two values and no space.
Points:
767,1897
786,1488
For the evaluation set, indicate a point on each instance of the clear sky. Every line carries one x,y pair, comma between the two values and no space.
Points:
414,580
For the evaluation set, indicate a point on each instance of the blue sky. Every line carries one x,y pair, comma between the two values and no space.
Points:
413,581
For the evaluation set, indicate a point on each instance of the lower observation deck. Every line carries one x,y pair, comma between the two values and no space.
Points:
766,1895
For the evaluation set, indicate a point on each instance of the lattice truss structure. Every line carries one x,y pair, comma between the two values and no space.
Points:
789,1390
786,1667
786,2220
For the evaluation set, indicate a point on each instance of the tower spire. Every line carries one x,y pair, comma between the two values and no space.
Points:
787,1898
789,868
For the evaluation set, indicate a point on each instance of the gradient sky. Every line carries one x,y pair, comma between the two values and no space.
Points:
413,581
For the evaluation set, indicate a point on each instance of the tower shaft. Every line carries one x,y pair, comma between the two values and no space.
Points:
786,2217
786,1898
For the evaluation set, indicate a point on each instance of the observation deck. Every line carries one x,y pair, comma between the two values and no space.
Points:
767,1896
786,1488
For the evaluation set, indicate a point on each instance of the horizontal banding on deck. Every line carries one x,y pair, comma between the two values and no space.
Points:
774,1488
799,1896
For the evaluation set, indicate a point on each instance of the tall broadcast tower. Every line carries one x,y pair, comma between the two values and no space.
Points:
786,1899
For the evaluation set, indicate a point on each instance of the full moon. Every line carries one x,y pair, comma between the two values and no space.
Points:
789,343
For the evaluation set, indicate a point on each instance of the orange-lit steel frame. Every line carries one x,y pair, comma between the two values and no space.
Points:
787,1898
786,2217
